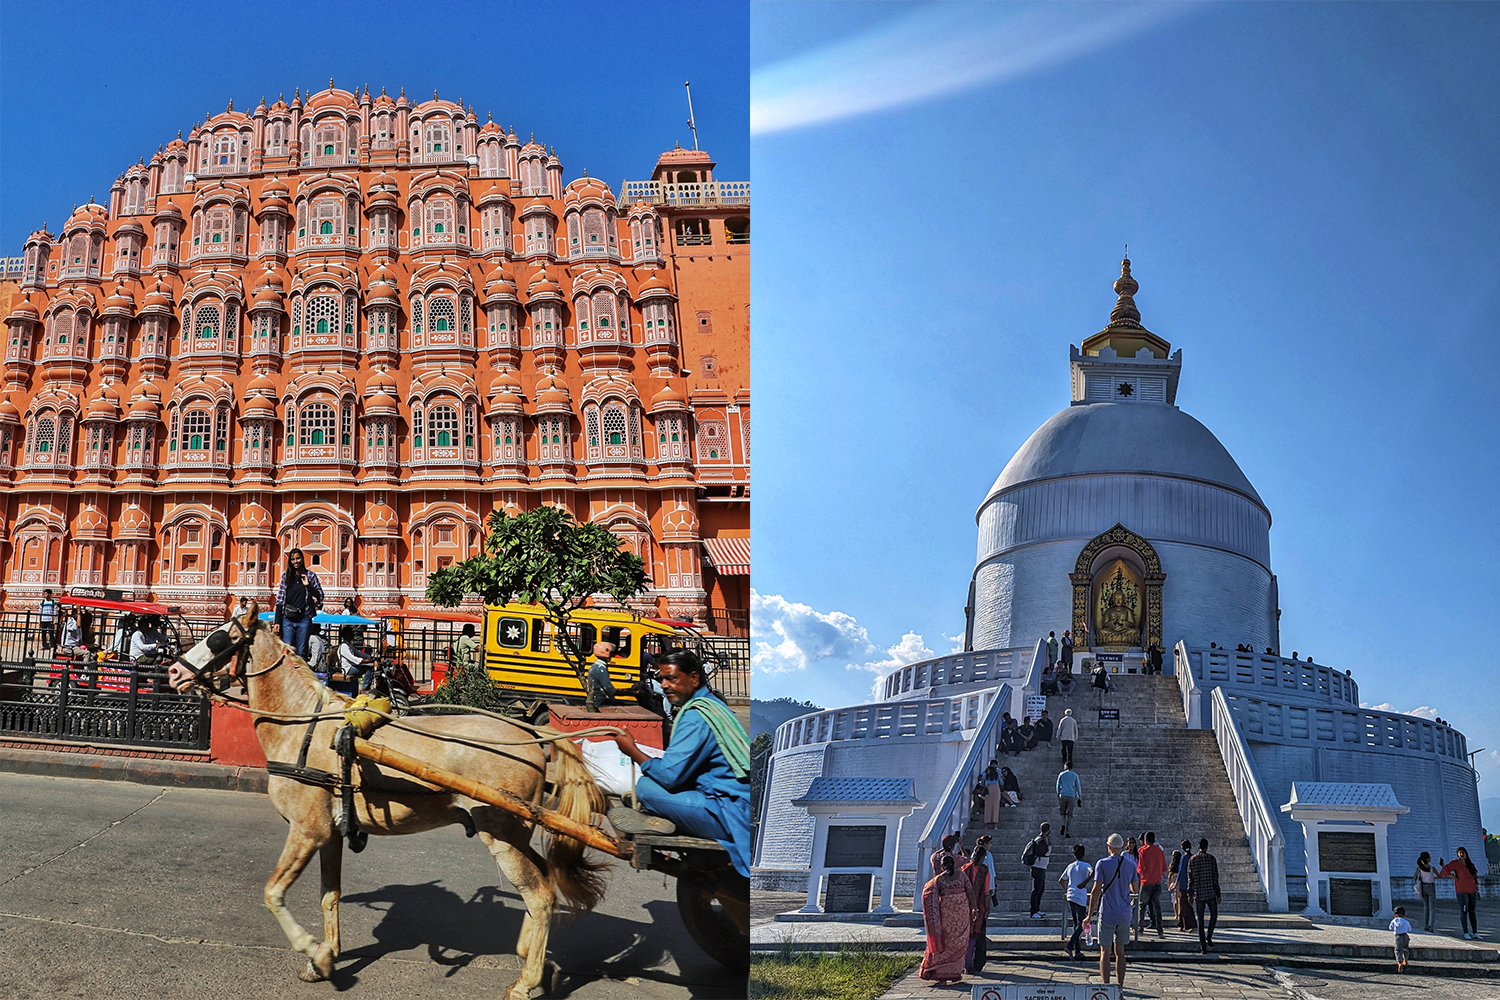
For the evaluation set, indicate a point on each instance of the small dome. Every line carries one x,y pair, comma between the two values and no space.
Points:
119,303
490,128
380,395
9,412
382,197
384,100
254,522
498,286
133,523
552,395
267,297
158,300
332,98
379,520
668,399
261,385
587,189
91,523
85,215
169,211
24,310
146,403
258,407
381,381
494,194
104,405
543,287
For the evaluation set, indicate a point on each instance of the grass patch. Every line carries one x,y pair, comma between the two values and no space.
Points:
858,972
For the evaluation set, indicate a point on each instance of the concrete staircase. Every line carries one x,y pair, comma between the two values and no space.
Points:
1147,773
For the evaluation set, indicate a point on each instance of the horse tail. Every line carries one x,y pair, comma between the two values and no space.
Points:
574,876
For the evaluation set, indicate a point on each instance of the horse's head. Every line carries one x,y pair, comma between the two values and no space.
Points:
216,661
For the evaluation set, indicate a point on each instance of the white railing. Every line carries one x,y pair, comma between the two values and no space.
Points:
13,265
882,720
1033,682
952,810
958,668
1267,844
1263,670
707,193
1187,683
1345,728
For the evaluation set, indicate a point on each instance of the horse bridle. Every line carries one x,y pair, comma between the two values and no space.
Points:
225,649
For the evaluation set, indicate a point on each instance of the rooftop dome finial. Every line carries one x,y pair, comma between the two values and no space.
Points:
1125,313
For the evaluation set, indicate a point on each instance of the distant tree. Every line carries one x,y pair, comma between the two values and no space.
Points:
760,757
544,557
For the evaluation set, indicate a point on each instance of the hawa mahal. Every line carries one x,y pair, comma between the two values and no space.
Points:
357,325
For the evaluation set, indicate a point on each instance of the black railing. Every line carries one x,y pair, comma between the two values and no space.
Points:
92,702
733,622
727,658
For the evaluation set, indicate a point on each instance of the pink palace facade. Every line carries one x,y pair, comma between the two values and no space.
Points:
357,325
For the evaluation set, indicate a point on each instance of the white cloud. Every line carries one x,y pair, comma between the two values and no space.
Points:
789,636
956,642
935,50
1423,711
910,649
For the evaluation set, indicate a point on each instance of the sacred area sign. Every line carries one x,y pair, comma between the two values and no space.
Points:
1045,991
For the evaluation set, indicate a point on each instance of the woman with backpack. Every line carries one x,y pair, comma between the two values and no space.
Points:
298,600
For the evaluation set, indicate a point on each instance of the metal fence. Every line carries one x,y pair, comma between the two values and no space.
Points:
728,659
85,701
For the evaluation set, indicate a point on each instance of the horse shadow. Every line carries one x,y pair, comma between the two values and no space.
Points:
454,932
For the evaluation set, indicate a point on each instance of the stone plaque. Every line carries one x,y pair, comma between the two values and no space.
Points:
1350,897
1346,852
848,892
855,847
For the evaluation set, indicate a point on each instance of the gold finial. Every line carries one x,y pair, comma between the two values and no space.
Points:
330,84
1125,313
231,105
434,93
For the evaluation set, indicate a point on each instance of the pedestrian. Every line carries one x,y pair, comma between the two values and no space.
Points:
72,634
1466,886
317,650
349,607
601,689
1067,732
243,608
1028,734
298,600
1054,648
1133,851
352,661
1152,864
977,801
1101,679
979,877
468,646
1010,787
1180,861
1049,681
1114,878
1044,729
1425,879
1067,650
1075,880
1172,886
992,794
1036,857
1402,929
47,613
949,844
1069,796
948,915
989,862
1155,658
1203,888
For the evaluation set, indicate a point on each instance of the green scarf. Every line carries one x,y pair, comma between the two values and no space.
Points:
726,729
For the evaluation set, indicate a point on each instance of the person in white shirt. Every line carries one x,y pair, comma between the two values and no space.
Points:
145,643
1402,929
352,662
989,862
1067,731
72,635
1075,880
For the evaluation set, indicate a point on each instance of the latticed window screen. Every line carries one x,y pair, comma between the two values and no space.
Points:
440,314
317,424
208,322
195,426
604,309
440,217
323,314
45,435
614,426
416,426
329,210
465,313
217,228
593,428
593,228
296,317
221,430
346,428
348,313
416,315
468,426
442,424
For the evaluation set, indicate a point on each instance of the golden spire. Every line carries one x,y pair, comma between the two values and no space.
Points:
1125,313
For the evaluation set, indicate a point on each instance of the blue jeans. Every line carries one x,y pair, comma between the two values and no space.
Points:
294,634
687,808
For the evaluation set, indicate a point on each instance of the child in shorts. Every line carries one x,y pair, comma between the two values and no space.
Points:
1402,929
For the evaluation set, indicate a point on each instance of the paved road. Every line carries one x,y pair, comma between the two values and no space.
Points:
1159,981
113,890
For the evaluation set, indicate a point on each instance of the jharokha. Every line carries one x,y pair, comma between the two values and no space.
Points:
357,325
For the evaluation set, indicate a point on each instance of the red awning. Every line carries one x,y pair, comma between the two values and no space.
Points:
728,556
134,607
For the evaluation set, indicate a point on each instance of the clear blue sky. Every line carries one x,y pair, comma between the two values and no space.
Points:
1312,201
88,88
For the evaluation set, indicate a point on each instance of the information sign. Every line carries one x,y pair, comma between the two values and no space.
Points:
1346,851
848,892
1350,897
855,847
1035,705
1109,715
1045,991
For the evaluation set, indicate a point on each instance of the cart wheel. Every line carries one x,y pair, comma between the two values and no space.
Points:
711,927
541,715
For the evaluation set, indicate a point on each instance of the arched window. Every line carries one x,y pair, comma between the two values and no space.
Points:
44,435
440,313
416,427
438,140
328,212
195,429
323,314
208,322
317,424
614,426
325,228
443,425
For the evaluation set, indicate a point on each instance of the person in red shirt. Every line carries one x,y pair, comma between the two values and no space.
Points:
1466,886
1153,865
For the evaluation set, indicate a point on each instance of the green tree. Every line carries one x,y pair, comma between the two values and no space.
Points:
544,557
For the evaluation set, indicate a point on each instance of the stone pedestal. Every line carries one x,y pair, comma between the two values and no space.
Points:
1344,826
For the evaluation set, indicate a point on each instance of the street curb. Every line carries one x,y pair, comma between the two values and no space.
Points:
142,770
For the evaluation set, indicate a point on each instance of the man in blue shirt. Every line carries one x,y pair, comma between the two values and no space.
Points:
1114,878
701,784
1069,795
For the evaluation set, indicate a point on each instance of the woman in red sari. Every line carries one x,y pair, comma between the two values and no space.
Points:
948,912
979,877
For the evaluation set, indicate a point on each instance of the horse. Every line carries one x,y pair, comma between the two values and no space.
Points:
386,802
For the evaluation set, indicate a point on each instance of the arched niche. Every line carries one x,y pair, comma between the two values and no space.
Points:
1113,563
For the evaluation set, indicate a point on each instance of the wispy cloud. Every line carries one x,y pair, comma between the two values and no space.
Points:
937,50
1423,711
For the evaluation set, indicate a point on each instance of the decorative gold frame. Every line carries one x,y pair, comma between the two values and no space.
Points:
1083,580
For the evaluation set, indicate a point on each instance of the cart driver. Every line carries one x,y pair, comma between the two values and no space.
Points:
701,784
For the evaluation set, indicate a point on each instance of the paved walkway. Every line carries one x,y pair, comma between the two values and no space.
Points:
1227,982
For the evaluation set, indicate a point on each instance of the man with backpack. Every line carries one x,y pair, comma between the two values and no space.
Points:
1036,857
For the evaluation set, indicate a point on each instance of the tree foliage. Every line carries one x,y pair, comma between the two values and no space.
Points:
544,557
